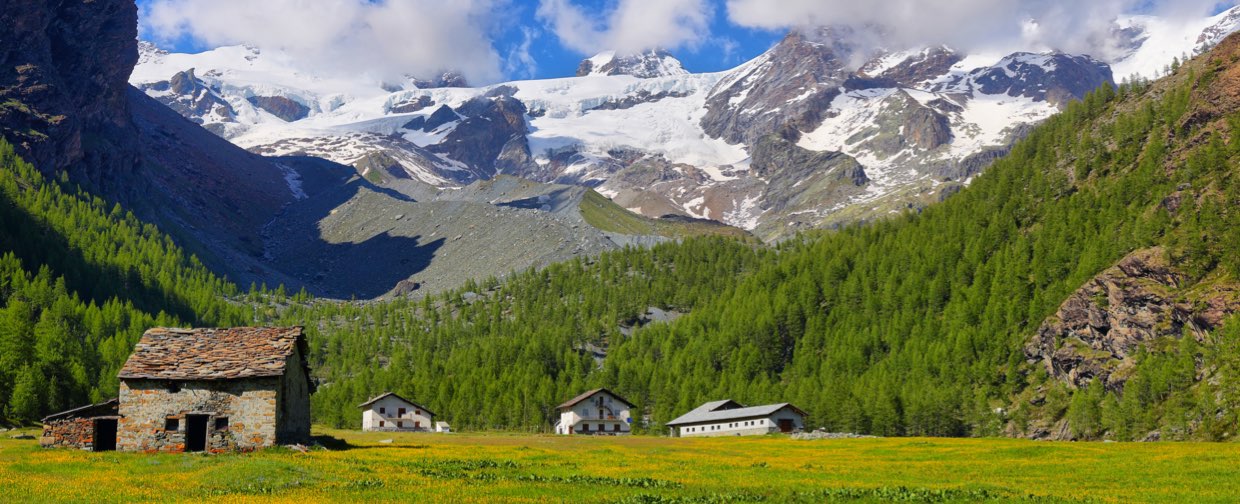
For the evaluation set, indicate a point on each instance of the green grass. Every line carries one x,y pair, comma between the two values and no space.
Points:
535,468
604,214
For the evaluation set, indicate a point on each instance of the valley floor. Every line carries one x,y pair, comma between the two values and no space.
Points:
539,468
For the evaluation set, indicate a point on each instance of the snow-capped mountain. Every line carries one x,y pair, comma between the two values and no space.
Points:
645,65
799,137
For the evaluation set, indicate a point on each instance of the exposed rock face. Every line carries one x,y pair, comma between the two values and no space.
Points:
414,105
490,125
645,65
926,129
1057,78
449,79
798,176
638,98
284,108
64,67
1096,332
192,98
800,77
916,69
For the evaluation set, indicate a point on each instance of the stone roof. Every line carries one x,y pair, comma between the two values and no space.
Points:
572,402
213,354
714,412
393,394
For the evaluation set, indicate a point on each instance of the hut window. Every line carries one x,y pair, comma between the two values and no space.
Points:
381,423
417,412
382,410
221,423
171,424
400,412
400,425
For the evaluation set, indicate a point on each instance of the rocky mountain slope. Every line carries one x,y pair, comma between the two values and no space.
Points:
66,104
917,122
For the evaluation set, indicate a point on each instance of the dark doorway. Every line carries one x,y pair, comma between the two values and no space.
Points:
105,434
195,433
785,425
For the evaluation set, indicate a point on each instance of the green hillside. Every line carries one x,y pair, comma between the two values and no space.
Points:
606,215
79,282
913,326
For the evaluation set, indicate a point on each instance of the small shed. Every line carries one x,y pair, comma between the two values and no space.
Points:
442,427
91,427
389,412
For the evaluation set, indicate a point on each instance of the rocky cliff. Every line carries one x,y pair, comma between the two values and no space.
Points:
1097,331
64,70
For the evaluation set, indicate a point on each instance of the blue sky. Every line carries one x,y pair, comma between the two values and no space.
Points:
494,40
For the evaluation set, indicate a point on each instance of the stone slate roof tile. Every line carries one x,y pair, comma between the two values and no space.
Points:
212,354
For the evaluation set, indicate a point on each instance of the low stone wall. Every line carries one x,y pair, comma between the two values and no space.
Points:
69,433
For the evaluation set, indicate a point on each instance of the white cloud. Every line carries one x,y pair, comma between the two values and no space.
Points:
387,38
630,26
1068,25
520,63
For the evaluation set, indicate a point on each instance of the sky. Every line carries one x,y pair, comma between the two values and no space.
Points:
496,40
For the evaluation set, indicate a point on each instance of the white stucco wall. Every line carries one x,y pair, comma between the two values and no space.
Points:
614,413
385,415
745,427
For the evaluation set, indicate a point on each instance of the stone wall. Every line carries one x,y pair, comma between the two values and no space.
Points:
69,433
293,416
248,404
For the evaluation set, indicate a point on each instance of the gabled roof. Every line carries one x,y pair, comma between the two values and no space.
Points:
715,411
586,395
214,354
106,408
393,394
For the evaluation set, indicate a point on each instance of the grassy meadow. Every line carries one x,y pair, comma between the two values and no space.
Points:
540,468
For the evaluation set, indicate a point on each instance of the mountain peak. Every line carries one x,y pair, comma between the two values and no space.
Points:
645,65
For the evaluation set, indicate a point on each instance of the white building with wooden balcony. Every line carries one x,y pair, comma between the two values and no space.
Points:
599,412
392,413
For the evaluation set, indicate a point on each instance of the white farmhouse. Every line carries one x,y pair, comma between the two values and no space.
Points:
390,412
730,418
597,412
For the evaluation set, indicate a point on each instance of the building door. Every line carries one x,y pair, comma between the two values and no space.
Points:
195,433
105,434
785,425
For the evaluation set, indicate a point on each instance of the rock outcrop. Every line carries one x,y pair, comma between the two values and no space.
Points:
64,67
283,107
644,65
1095,334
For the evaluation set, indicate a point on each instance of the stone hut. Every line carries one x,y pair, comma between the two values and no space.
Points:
236,389
90,427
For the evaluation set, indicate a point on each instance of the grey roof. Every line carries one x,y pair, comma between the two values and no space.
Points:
710,412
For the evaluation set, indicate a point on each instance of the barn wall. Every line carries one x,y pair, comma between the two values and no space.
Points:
293,415
249,405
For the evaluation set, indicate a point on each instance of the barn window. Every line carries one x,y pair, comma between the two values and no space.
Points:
400,425
221,423
400,412
382,410
417,425
171,424
381,423
417,412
